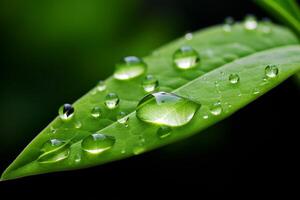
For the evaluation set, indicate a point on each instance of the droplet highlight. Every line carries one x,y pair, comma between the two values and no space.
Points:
150,83
97,143
96,112
250,22
66,112
163,132
112,101
216,109
234,79
186,58
271,71
101,86
123,118
130,67
166,109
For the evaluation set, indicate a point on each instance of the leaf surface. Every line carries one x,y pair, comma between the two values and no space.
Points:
240,51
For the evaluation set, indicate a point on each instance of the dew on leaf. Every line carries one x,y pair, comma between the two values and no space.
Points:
150,83
112,101
97,143
163,132
271,71
234,78
216,108
130,67
66,112
96,112
186,58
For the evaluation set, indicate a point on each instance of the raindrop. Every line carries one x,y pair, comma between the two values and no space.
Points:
66,112
97,143
234,78
188,36
78,124
166,109
96,112
250,22
271,71
54,151
138,150
130,67
163,132
186,58
112,101
227,27
216,108
123,118
101,86
150,83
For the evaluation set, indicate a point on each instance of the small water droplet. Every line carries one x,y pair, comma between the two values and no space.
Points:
130,67
150,83
163,132
234,78
123,118
101,86
112,101
271,71
66,112
205,116
216,108
188,36
166,109
78,124
96,112
97,143
250,22
52,130
53,151
227,27
256,91
77,158
138,150
186,58
52,145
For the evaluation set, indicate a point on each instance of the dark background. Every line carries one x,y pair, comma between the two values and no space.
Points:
54,51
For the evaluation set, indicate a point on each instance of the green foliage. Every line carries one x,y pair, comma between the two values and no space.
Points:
241,52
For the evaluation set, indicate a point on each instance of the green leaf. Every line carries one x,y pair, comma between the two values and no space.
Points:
240,51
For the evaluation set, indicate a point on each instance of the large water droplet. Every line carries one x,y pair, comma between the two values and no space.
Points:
186,58
166,109
130,67
54,151
97,143
250,22
163,132
66,112
122,118
112,101
101,86
234,78
216,108
96,112
150,83
271,71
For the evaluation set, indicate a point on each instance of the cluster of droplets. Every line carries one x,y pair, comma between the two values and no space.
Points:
166,110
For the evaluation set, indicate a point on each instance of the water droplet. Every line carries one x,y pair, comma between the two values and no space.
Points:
205,116
78,124
101,86
166,109
138,150
186,58
150,83
77,158
51,145
112,101
130,67
122,118
188,36
271,71
52,129
54,151
163,132
234,78
97,143
123,151
216,108
256,91
96,112
250,22
227,27
66,112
